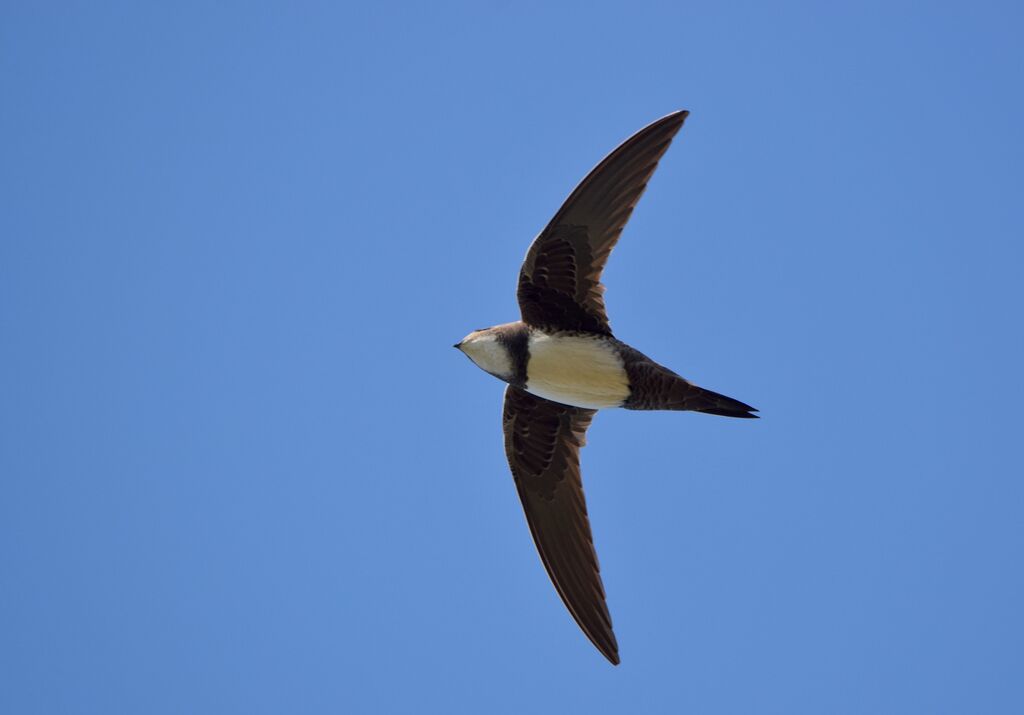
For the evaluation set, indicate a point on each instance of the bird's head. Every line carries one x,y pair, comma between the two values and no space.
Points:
489,351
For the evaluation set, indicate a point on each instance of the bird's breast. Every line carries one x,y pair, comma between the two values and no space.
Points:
579,370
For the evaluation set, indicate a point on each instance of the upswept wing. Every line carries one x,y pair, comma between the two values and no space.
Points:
560,281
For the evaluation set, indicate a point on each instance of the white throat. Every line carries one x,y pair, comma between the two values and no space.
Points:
489,354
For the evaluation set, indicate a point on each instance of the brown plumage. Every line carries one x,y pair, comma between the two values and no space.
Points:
655,387
542,441
560,281
564,350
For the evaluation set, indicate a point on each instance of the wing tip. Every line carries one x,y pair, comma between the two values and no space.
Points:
665,128
679,116
605,642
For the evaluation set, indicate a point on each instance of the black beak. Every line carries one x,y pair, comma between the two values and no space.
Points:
456,345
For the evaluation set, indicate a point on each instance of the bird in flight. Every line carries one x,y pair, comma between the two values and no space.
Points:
562,364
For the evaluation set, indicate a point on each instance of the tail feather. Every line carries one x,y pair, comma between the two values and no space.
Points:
654,387
713,403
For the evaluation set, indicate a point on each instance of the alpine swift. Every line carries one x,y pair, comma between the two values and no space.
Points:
562,364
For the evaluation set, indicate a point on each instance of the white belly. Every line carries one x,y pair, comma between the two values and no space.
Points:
578,371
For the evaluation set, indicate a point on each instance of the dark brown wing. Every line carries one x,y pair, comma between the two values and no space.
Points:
560,282
542,442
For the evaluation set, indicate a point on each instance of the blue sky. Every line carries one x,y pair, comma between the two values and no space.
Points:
244,471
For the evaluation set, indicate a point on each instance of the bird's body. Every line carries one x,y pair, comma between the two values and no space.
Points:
575,368
562,364
589,370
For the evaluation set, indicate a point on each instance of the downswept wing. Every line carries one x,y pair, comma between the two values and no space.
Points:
560,281
542,442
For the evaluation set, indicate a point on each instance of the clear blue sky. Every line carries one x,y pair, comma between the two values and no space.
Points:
243,470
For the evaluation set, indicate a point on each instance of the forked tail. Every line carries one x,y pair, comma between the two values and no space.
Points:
653,387
714,404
